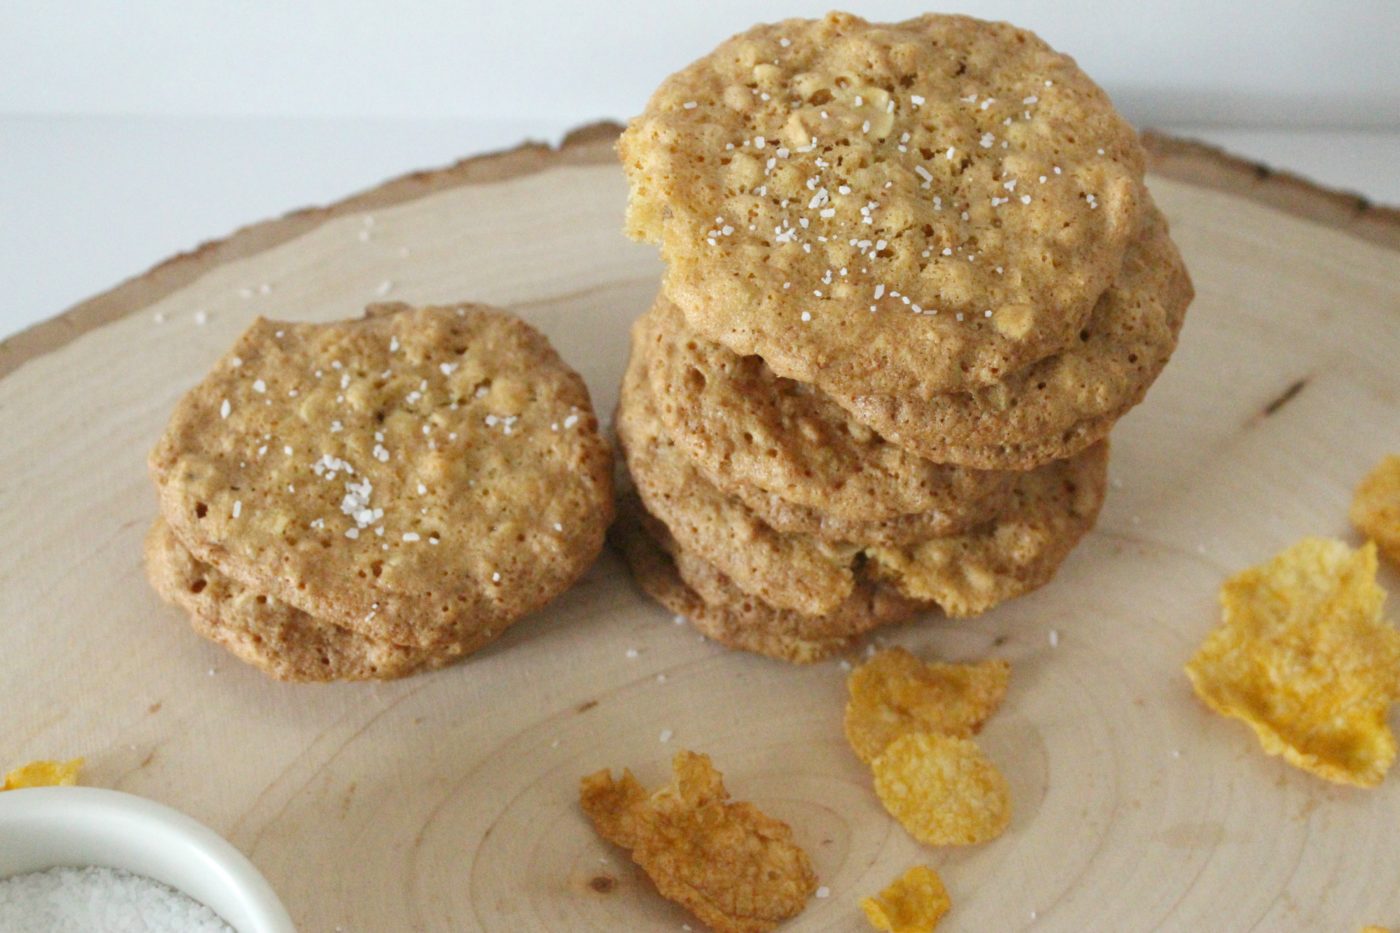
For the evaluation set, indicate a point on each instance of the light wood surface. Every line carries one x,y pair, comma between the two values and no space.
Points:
448,801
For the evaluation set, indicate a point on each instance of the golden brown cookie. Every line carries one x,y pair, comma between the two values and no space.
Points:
795,572
787,518
1060,405
1051,509
422,476
735,619
900,209
269,634
1048,510
747,429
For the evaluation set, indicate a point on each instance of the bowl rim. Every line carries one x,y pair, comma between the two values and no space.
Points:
50,827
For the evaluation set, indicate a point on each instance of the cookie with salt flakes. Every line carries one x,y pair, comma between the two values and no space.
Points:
902,209
694,590
265,632
750,430
424,476
1060,405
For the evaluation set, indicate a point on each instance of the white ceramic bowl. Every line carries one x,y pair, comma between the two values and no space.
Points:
44,827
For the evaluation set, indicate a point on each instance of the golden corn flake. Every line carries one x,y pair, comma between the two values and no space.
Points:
942,789
1304,656
914,903
44,774
729,864
895,693
1375,509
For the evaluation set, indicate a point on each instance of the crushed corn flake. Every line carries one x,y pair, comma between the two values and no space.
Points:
942,789
913,903
1304,656
43,774
1375,509
895,693
734,867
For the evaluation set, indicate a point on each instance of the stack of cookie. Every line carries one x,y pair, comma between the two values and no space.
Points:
913,279
370,498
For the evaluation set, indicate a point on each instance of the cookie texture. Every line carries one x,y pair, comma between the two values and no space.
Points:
734,619
913,279
788,518
749,429
1051,509
422,476
269,634
796,572
1060,405
899,209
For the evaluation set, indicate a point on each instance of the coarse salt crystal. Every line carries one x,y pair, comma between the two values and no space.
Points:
101,898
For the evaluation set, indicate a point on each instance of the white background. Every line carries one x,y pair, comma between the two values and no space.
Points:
132,130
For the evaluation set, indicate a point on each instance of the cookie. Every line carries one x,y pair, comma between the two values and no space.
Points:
1016,551
422,476
746,427
1060,405
794,572
269,634
736,620
1051,509
785,517
897,209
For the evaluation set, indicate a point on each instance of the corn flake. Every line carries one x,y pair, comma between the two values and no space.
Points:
1375,509
942,789
1305,658
732,866
43,774
895,693
914,903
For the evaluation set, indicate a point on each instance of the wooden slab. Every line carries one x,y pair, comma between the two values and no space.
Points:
447,801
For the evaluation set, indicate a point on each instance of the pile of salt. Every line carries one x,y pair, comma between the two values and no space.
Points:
100,900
